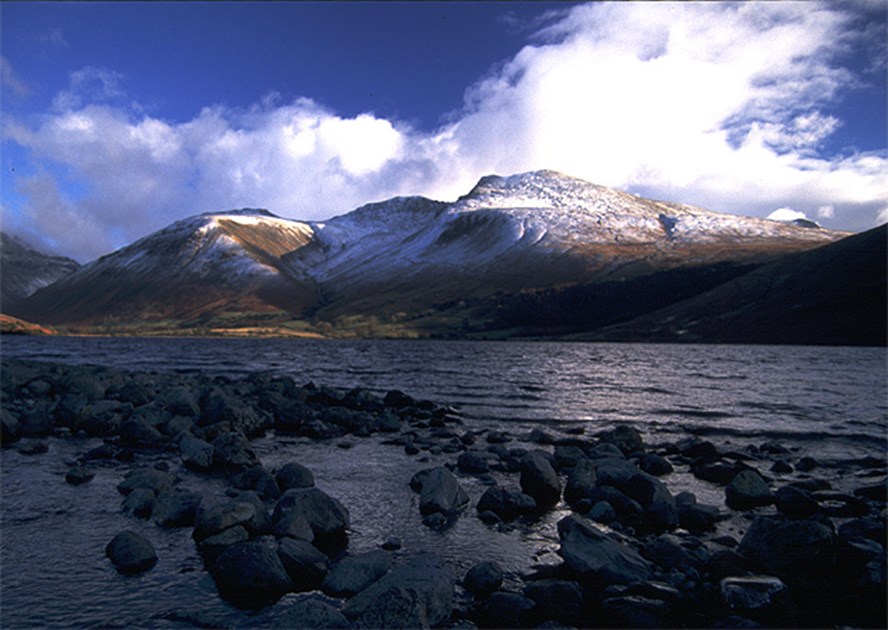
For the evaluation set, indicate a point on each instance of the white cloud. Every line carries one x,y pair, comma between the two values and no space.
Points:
721,105
10,80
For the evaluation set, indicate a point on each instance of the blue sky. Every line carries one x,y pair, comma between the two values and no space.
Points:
119,118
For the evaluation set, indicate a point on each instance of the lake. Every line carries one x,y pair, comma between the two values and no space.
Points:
829,403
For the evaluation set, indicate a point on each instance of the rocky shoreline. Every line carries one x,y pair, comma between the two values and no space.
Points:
634,551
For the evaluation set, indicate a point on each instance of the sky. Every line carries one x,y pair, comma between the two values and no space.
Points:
119,118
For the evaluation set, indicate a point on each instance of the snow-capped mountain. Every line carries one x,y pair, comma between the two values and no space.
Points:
24,270
408,254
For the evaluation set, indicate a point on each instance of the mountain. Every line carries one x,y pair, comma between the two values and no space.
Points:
24,270
409,261
835,294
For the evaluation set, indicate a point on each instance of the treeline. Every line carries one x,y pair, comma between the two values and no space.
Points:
586,307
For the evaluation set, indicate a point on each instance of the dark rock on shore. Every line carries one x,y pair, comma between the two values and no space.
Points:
592,554
294,476
79,475
506,504
747,490
483,579
417,593
355,573
441,493
327,517
250,575
305,564
539,479
131,553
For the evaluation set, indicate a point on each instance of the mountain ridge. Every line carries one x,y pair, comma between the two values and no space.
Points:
406,259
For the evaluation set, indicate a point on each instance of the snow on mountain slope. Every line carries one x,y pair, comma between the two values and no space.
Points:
508,234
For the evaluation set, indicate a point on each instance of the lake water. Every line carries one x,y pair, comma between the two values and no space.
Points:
829,403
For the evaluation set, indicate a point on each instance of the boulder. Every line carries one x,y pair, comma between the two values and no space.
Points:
10,429
418,593
213,519
293,476
762,598
507,610
591,553
196,454
211,547
180,401
441,493
307,613
176,508
795,502
611,471
506,504
602,512
131,553
139,502
655,465
483,579
305,564
625,438
259,480
581,482
653,496
232,453
148,478
539,479
355,573
79,475
327,517
557,600
473,462
799,551
250,575
747,490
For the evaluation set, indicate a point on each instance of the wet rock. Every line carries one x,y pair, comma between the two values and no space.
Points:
355,573
180,401
232,453
581,482
658,504
719,472
567,455
625,438
870,527
391,544
539,479
667,552
139,429
131,553
764,599
211,547
418,593
592,554
79,475
633,611
695,448
602,512
473,462
747,490
218,405
176,508
840,505
396,399
139,502
507,610
437,521
807,464
213,519
695,517
498,437
483,579
327,517
307,613
556,600
538,436
305,564
875,492
506,504
10,429
799,551
294,476
781,466
33,447
795,502
441,493
628,510
655,465
259,480
196,454
37,421
614,472
250,575
150,478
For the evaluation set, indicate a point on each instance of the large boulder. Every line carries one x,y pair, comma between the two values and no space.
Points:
799,551
327,517
176,508
506,504
250,575
305,564
581,482
441,493
232,453
483,579
356,572
557,600
309,612
660,511
594,555
293,476
214,519
539,479
131,553
151,479
259,480
196,454
625,438
747,490
418,593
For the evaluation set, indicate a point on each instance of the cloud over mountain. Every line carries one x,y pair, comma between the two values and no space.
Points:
727,106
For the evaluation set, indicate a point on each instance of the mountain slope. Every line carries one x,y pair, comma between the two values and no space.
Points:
24,270
209,264
834,294
407,256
